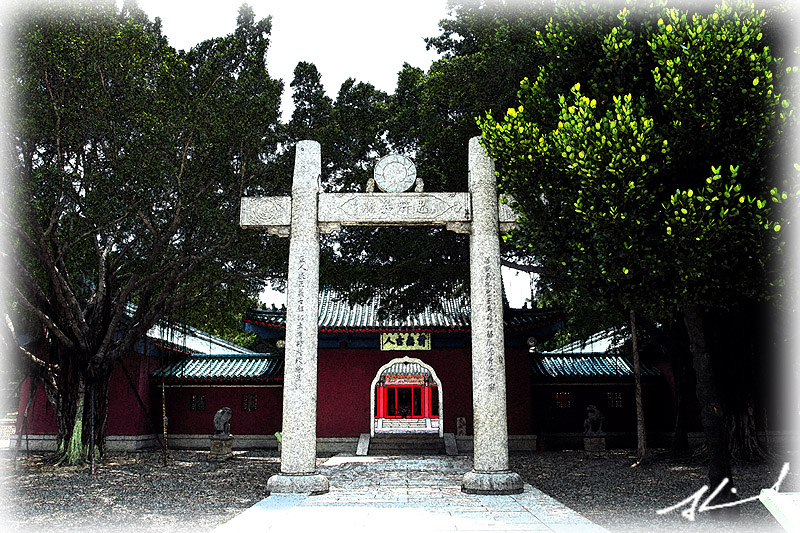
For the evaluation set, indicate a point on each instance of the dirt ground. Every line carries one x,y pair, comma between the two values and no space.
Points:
136,492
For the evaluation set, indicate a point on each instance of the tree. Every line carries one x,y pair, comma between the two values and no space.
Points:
127,161
352,131
312,107
615,157
431,119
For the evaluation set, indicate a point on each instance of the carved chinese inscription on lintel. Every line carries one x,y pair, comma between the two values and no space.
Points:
389,209
337,209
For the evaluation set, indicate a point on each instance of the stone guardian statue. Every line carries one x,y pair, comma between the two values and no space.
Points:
593,425
222,423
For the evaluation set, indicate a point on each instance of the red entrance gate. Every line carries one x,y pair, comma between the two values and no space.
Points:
406,390
406,401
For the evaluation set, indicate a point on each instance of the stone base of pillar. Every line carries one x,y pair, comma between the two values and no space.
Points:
594,444
221,448
503,482
298,484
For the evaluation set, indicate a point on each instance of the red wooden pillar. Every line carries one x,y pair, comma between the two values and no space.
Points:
426,402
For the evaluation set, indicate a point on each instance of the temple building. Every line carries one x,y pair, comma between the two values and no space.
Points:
376,375
382,375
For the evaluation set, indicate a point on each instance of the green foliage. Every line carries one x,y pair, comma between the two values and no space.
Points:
128,161
430,118
406,264
627,110
720,229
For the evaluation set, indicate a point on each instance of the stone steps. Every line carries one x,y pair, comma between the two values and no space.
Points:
407,423
406,444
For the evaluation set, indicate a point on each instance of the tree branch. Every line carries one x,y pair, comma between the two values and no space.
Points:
46,320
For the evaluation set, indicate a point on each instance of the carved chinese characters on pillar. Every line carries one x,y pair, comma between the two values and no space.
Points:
491,344
300,307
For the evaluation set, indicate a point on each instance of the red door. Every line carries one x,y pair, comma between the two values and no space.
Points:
406,401
401,401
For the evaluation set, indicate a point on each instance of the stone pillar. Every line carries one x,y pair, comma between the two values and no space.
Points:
299,432
490,474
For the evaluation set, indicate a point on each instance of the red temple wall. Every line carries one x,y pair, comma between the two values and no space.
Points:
41,415
265,420
518,392
125,415
344,379
345,376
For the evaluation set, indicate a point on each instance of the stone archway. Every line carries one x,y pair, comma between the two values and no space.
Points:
307,213
416,367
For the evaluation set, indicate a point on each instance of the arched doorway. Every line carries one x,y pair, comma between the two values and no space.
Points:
406,396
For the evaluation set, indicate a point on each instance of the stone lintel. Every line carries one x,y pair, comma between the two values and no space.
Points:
265,212
312,483
454,210
505,212
394,208
492,483
507,227
459,227
507,216
329,227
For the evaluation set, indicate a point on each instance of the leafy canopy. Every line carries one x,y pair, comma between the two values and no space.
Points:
639,157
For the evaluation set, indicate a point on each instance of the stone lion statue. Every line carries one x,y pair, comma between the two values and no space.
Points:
222,422
593,425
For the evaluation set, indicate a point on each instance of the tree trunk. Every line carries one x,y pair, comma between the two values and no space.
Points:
712,412
68,406
737,336
745,444
101,385
32,386
77,416
683,382
72,450
641,437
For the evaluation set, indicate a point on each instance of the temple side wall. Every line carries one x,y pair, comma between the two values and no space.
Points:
125,415
265,420
345,376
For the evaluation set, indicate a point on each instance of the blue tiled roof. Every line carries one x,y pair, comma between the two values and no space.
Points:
183,338
238,368
337,313
587,366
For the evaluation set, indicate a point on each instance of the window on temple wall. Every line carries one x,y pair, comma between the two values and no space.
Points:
562,400
198,402
615,400
249,402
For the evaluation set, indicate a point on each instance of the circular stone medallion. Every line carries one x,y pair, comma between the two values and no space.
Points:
395,173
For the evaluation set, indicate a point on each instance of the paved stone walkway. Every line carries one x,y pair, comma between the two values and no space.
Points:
410,494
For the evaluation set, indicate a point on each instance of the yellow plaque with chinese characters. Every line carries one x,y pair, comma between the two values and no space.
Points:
405,341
